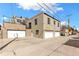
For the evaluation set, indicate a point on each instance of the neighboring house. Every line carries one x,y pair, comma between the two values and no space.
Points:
16,28
45,26
65,31
40,26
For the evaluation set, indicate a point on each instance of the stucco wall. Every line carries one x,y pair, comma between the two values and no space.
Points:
50,26
39,26
42,25
14,26
0,34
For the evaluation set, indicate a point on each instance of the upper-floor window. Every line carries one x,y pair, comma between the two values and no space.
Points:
35,21
48,20
58,24
18,20
30,25
54,22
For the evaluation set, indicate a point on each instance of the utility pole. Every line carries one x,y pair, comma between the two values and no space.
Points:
69,23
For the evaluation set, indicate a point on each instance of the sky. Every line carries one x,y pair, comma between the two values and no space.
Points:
58,10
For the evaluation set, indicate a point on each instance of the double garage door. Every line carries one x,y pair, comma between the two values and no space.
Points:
14,33
51,34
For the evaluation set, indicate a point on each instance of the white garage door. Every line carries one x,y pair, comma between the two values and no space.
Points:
13,34
57,34
48,34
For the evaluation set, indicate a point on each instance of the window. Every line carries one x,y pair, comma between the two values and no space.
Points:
0,27
29,25
35,21
58,24
48,20
37,32
18,20
54,22
23,21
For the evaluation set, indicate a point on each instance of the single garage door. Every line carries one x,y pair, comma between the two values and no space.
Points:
13,33
57,34
48,34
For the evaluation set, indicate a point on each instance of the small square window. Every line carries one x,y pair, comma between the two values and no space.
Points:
18,20
37,32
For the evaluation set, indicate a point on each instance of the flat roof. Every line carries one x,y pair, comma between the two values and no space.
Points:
51,16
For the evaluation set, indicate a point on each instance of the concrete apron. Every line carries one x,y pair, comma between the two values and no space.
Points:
5,42
42,49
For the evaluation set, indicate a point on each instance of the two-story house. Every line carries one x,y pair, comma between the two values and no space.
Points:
45,26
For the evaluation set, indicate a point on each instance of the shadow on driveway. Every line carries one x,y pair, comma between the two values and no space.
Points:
75,37
74,43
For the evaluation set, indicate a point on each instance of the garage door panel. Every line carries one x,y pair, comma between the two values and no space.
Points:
13,34
48,34
21,33
57,34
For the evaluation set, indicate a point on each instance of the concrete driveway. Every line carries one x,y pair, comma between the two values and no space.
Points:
39,47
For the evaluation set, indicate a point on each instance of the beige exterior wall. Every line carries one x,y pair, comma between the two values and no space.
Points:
11,26
42,20
27,23
4,33
14,26
50,26
39,25
29,33
0,34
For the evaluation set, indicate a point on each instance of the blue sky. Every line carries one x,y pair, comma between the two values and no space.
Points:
62,10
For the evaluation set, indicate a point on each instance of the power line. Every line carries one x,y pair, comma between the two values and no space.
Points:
43,8
52,11
49,9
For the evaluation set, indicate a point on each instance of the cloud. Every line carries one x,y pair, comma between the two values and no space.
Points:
60,9
49,7
63,23
5,18
28,6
